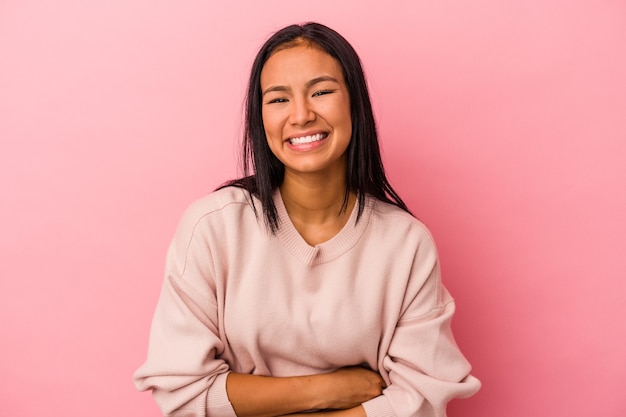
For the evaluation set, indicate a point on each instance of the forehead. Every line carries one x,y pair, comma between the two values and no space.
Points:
299,63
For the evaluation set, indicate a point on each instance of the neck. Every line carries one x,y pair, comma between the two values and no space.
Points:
316,200
315,207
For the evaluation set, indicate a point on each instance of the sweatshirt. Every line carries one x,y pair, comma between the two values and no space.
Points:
238,298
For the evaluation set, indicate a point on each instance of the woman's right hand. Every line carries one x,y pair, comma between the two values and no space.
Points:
349,387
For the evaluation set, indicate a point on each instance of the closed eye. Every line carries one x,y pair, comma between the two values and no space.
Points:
322,92
277,100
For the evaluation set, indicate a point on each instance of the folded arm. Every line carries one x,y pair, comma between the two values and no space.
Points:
344,389
187,377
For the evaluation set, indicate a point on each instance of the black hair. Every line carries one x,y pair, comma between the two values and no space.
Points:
262,170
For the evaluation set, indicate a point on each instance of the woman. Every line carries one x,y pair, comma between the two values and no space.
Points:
306,285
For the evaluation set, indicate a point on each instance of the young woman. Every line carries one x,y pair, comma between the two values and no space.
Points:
305,286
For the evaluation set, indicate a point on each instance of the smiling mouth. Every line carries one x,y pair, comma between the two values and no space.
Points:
308,139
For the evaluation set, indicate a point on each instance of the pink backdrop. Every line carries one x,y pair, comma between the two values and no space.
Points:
503,125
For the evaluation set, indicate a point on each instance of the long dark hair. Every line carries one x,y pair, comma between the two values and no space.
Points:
263,172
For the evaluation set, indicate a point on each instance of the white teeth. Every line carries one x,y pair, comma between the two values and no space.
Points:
306,139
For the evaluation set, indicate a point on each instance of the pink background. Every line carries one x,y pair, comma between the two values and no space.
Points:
503,125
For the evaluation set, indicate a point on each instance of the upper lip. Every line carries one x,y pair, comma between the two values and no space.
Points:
308,133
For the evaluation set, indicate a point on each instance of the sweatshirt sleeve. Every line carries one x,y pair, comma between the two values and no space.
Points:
183,368
423,366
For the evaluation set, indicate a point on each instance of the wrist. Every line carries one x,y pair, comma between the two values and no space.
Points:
317,392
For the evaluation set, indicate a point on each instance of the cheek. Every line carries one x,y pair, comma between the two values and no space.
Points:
272,135
271,125
344,117
265,120
346,122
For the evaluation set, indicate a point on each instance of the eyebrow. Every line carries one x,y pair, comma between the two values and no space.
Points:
308,84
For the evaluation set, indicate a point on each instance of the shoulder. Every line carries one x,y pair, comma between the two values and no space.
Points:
391,220
218,200
209,221
220,207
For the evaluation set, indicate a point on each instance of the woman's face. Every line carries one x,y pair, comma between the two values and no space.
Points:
306,110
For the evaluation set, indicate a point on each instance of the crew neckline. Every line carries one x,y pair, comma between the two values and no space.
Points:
327,251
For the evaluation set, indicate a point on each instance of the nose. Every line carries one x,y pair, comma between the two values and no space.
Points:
301,112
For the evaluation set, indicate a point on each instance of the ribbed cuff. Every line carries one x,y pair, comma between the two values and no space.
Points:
378,407
217,402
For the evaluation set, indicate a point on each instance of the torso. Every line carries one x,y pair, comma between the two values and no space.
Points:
287,307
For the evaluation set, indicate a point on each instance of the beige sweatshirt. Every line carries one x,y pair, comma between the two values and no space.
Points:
236,298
